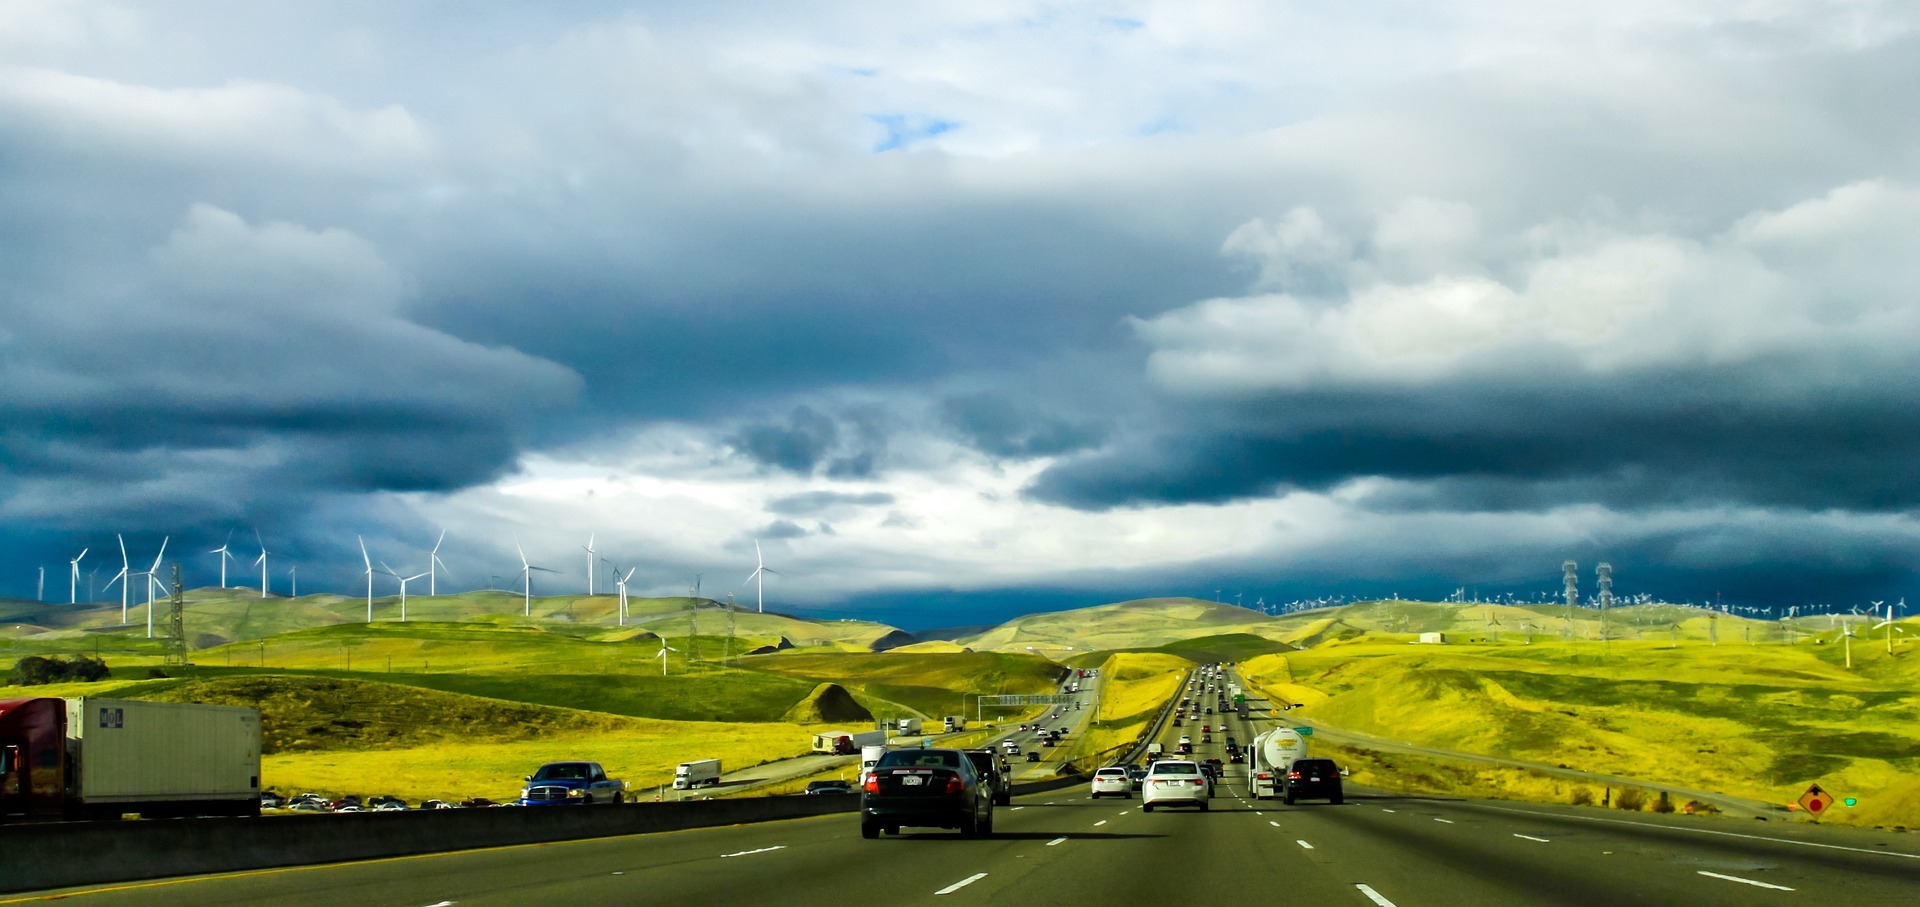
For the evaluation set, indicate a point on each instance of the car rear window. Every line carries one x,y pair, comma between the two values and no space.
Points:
1112,773
1176,768
934,758
1313,765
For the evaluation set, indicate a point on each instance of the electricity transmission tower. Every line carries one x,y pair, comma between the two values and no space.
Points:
1570,572
1605,574
176,653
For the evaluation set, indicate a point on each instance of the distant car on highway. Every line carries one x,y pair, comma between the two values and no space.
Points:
1174,783
1313,779
1112,780
435,804
571,784
995,770
1137,774
925,787
818,788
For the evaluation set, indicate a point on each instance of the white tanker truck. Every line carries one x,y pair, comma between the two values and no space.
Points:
1268,758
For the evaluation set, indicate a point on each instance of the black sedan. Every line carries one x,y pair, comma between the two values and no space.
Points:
926,788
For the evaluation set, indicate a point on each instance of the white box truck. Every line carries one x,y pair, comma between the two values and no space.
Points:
956,723
908,726
688,775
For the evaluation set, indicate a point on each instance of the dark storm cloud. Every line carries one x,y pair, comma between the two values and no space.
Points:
1675,439
813,502
782,529
998,424
800,445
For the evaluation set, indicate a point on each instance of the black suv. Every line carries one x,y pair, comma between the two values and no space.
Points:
934,788
1313,779
999,777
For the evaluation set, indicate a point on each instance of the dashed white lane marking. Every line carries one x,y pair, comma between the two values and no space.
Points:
1258,813
1532,838
1374,896
1724,834
1018,808
1304,844
1448,821
1745,881
442,904
1125,811
1099,823
751,852
962,883
1273,823
1057,840
1385,810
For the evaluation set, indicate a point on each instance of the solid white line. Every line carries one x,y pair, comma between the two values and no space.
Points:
750,852
1532,838
1273,823
1374,896
1745,881
1057,840
1304,844
1099,823
442,904
1448,821
962,883
1708,831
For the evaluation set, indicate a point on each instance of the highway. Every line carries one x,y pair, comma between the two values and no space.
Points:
1062,848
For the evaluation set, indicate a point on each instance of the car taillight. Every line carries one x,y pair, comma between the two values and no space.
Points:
1263,776
1293,776
955,785
873,783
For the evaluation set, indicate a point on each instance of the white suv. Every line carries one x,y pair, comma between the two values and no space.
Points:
1174,783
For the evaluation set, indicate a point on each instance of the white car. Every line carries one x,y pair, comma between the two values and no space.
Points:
1113,780
1174,783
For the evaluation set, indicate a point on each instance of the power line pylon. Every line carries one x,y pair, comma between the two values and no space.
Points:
1570,572
176,623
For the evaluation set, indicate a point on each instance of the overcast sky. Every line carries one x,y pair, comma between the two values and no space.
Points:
969,306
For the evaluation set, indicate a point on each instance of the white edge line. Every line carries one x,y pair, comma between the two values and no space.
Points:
962,883
1303,844
1059,840
1745,881
1374,896
1099,823
1448,821
1532,838
1709,831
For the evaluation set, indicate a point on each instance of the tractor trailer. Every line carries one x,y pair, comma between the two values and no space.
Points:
1268,758
89,758
847,743
688,775
908,726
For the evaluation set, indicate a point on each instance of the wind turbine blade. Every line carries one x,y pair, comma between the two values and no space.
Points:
629,575
541,569
163,553
123,549
436,545
523,551
363,553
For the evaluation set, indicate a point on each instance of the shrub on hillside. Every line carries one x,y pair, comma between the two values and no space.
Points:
35,670
1580,797
1630,799
1697,808
1662,804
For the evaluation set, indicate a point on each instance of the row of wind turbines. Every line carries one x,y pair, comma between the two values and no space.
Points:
155,588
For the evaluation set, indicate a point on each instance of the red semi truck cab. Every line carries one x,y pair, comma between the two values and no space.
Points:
33,757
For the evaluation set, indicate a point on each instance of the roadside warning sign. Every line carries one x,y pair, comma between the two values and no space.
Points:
1815,800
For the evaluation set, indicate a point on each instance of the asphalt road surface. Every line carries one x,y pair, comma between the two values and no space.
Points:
1063,848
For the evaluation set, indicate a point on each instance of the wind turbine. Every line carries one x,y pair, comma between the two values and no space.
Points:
662,655
262,561
369,562
433,565
526,581
404,580
152,580
73,593
293,576
622,584
225,555
121,578
759,578
591,554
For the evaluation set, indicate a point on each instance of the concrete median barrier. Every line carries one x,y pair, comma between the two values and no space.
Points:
65,854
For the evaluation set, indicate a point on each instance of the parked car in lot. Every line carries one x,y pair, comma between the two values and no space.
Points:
998,777
571,784
1112,780
1174,783
926,788
271,800
435,804
1313,779
828,787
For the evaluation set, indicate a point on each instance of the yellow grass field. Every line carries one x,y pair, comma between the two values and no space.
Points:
1133,686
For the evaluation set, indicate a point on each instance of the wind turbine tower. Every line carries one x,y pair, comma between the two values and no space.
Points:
1570,572
759,578
591,555
73,593
369,562
125,574
262,561
526,578
434,565
225,555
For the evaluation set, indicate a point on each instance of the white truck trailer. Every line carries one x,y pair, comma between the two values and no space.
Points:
688,775
1268,758
89,758
908,726
956,723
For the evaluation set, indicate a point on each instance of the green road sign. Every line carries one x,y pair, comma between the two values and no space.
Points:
1239,697
1304,731
1851,801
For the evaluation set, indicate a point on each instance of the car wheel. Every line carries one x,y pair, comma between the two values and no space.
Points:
586,800
1203,806
619,799
1288,799
869,830
1338,799
1146,807
893,829
1126,795
1003,800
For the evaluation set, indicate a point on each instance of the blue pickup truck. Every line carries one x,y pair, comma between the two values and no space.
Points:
572,784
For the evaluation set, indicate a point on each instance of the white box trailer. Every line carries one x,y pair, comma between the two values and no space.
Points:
908,726
688,775
128,752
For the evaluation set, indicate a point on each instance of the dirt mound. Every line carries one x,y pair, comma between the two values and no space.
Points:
829,703
892,640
